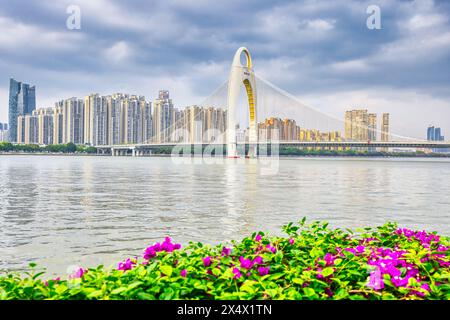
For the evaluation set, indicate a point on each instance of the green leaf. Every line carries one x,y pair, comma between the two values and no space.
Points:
166,269
95,294
247,286
327,271
118,290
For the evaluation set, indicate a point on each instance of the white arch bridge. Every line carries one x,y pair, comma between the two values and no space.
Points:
262,108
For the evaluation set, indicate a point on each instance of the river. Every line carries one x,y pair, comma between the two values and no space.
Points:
61,211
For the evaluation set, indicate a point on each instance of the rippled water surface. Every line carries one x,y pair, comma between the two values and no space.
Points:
63,210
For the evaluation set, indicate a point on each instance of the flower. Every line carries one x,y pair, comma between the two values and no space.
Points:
149,253
226,251
127,265
360,248
54,280
207,261
258,237
78,273
329,259
263,271
245,263
237,273
183,273
329,292
271,248
291,241
257,260
375,280
166,246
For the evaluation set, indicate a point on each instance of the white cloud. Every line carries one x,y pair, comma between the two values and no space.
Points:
320,24
119,52
356,65
16,36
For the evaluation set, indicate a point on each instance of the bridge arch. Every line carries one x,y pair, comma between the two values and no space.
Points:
241,75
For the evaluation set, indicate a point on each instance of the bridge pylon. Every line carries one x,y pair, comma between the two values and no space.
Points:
241,75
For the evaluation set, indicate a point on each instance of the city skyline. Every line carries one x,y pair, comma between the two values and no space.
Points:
384,70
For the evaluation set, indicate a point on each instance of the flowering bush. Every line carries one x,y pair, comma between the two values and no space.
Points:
312,262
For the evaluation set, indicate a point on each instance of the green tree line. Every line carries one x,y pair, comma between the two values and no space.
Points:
52,148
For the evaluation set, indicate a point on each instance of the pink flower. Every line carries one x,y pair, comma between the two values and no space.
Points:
54,280
166,246
226,251
245,263
329,259
183,273
258,237
375,280
237,273
291,241
271,248
127,265
257,260
360,249
207,261
263,271
78,273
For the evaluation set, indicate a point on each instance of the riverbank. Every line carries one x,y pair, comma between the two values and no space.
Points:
163,155
311,262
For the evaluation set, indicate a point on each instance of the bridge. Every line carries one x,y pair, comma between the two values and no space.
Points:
260,108
146,149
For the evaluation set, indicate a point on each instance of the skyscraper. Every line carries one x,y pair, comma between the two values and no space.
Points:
163,117
372,135
357,125
430,133
114,118
95,120
45,125
385,127
73,121
22,100
147,122
58,124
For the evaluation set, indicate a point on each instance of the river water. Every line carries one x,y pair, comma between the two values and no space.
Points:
61,211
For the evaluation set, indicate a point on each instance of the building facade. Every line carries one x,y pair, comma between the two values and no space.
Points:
4,137
22,100
163,118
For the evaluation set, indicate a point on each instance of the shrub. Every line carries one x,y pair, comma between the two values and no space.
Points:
312,262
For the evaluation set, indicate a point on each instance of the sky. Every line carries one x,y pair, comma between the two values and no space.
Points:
319,51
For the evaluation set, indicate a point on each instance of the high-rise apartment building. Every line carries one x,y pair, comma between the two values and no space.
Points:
357,125
163,117
31,129
45,125
147,121
114,118
73,121
132,120
22,100
96,120
372,133
385,127
58,124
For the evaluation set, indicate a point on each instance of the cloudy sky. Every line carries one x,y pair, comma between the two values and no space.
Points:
319,51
